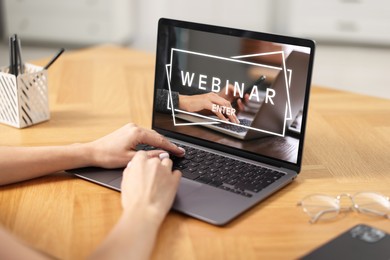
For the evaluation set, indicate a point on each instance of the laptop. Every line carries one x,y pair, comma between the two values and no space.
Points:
224,176
254,125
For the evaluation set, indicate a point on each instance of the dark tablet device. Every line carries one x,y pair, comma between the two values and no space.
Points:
359,242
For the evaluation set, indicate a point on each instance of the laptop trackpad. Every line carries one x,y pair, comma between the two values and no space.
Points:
186,187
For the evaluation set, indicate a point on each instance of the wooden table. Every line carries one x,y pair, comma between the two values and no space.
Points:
94,91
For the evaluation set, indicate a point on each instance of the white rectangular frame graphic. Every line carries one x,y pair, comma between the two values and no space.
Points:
287,116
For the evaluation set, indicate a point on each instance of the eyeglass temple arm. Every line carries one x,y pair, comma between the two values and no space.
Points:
317,216
375,212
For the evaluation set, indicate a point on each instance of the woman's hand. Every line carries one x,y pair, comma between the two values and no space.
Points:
229,96
118,148
201,102
148,190
149,185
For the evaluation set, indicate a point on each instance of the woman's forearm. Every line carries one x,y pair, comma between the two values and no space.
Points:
111,151
23,163
12,248
133,237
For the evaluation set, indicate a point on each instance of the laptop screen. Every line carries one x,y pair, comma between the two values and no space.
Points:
233,90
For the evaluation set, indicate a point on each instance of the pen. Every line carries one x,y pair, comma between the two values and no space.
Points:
11,59
19,53
16,54
54,59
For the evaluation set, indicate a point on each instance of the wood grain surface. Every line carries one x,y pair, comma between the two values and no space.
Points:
95,91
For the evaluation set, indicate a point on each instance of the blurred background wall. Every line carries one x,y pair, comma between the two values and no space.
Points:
353,36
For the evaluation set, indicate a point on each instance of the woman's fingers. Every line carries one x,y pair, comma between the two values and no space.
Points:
152,138
226,108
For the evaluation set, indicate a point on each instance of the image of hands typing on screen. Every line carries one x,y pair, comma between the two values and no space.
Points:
225,103
213,88
238,88
210,99
205,103
218,103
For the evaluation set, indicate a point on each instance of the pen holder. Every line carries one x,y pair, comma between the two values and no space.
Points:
24,99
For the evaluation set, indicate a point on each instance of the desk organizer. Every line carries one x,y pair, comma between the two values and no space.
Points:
24,99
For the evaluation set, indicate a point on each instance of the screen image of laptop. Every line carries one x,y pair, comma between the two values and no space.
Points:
210,74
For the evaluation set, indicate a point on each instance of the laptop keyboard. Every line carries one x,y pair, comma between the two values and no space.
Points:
236,128
222,172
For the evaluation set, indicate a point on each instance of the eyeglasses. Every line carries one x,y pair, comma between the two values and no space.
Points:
319,206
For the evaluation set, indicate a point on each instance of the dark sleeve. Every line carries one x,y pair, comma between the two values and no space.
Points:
162,100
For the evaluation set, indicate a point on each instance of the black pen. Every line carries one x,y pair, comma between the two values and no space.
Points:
16,55
19,54
54,59
11,59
